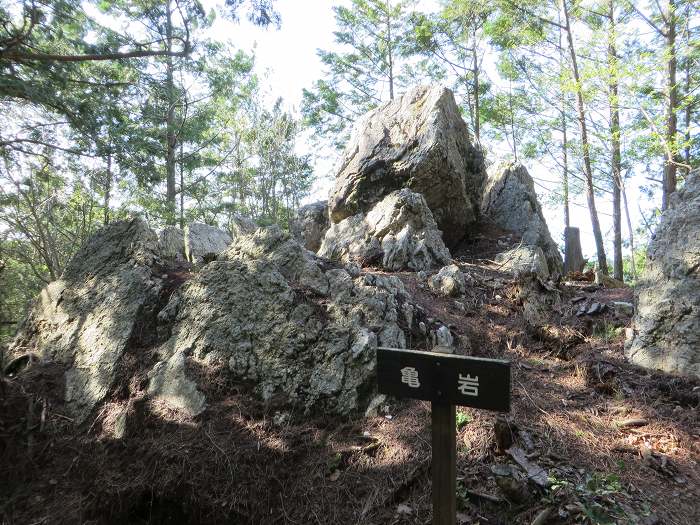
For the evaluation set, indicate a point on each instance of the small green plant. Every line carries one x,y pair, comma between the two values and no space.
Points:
462,420
605,331
595,498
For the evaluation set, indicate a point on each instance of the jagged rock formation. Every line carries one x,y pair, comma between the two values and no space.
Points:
524,260
310,224
666,327
418,141
299,328
398,233
510,201
448,281
239,225
85,320
171,240
203,242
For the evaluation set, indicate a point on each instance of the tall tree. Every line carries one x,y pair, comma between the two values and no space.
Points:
664,22
372,37
455,38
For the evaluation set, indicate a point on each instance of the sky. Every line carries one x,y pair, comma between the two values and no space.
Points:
288,59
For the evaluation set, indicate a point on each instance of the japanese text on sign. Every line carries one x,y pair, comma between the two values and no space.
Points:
409,375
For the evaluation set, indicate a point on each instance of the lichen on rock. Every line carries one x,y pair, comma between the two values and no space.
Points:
666,326
448,281
398,233
417,141
86,318
310,224
298,327
510,201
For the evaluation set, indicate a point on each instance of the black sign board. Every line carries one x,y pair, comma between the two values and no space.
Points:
444,378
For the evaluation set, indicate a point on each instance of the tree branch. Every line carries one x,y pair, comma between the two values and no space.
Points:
19,56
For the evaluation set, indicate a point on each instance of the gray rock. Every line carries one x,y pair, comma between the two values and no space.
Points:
524,260
168,384
594,308
203,242
86,318
443,340
239,225
172,243
623,307
303,332
373,407
310,224
448,281
510,200
538,301
398,233
666,326
418,141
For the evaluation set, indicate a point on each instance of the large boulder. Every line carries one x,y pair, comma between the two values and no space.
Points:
418,141
310,224
666,327
524,260
87,318
398,233
172,243
301,330
510,201
203,242
239,225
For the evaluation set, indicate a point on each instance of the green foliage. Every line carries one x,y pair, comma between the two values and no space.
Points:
639,259
371,38
463,419
596,499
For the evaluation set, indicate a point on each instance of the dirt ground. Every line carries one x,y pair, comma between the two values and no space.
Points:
617,444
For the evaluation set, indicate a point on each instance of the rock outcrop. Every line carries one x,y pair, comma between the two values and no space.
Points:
296,327
203,242
86,319
303,331
418,141
239,225
666,327
397,233
510,201
171,240
524,260
310,224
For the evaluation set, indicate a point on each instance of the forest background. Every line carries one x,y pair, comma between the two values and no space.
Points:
187,110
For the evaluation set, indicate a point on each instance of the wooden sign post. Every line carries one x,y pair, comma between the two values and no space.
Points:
446,380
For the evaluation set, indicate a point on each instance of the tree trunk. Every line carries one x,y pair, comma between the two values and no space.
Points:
182,190
672,105
590,194
171,139
390,52
565,175
475,72
512,119
573,256
108,186
564,140
633,264
615,147
688,105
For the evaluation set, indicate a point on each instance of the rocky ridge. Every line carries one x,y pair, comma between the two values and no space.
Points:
665,333
420,142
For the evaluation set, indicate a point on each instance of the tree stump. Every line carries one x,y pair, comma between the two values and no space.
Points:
573,257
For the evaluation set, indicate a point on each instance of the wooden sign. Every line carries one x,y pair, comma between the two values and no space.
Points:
445,378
